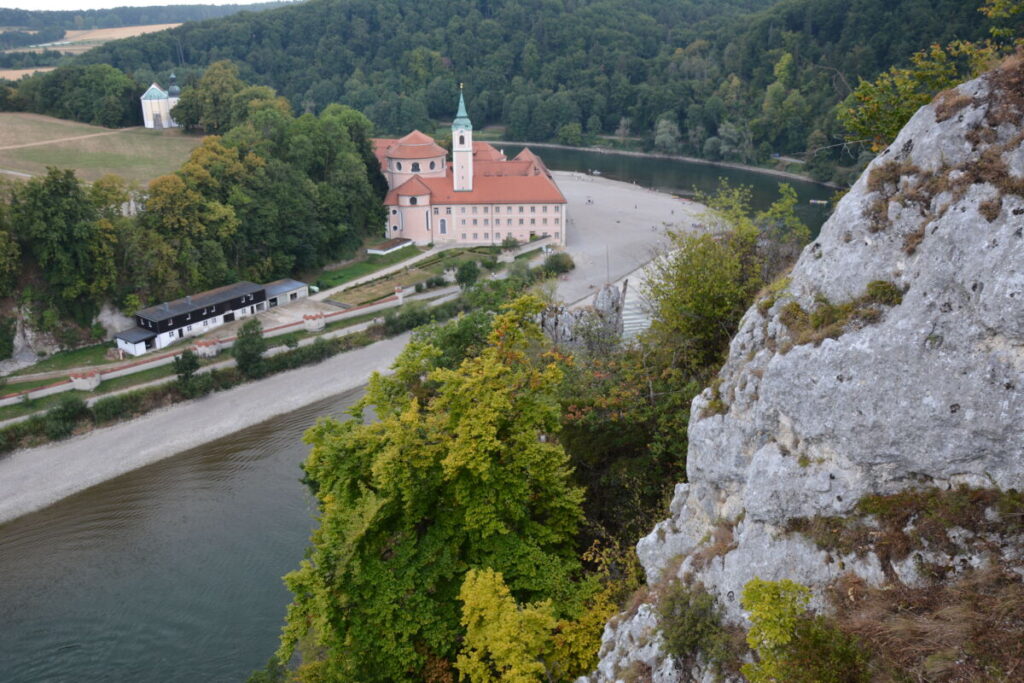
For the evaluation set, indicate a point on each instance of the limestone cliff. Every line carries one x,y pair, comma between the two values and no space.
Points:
892,359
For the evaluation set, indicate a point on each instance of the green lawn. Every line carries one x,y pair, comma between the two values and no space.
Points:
15,387
134,379
64,360
353,271
36,405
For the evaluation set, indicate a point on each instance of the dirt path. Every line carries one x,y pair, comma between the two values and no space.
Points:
56,140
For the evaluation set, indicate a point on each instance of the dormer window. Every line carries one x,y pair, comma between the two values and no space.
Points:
415,167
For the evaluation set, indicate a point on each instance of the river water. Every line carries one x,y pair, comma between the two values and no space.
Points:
682,178
173,572
168,573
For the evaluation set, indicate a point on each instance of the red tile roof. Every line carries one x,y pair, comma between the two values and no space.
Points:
494,189
496,180
485,151
415,145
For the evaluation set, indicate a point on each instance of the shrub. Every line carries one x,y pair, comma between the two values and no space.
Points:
60,420
559,263
248,349
791,644
198,385
114,408
467,274
7,330
882,292
691,623
509,243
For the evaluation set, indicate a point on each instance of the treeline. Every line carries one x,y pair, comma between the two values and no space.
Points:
97,93
276,196
16,38
27,60
714,79
119,16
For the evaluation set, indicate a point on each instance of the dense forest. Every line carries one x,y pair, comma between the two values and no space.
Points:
738,80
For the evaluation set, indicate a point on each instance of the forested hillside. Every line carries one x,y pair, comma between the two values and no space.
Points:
738,80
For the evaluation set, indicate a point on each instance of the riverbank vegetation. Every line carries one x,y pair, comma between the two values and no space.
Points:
472,307
482,524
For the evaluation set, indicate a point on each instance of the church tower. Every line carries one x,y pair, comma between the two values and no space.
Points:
462,149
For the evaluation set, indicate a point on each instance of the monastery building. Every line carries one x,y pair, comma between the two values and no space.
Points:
480,197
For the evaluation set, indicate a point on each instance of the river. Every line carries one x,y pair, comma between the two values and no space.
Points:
168,573
173,572
682,178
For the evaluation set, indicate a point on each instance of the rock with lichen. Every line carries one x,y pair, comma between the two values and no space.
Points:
892,361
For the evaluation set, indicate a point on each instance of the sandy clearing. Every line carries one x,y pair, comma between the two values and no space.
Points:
37,477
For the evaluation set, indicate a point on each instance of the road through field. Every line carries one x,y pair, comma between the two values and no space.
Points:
76,137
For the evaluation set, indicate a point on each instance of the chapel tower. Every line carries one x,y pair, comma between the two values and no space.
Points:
462,149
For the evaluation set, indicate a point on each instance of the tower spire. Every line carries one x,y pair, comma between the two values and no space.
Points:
461,121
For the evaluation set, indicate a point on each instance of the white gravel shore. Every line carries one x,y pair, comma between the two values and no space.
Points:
34,478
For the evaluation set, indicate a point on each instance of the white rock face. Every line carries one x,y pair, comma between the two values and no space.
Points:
930,394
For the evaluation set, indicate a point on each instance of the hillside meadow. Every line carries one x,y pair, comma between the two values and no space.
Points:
31,142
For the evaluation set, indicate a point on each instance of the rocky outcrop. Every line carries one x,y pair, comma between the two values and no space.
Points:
577,326
917,382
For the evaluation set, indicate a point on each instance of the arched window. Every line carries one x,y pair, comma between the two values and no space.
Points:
444,227
432,165
415,167
412,201
462,139
399,165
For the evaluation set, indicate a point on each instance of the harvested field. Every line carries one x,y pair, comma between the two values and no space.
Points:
15,74
77,42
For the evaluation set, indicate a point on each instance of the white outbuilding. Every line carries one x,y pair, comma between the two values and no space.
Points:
157,104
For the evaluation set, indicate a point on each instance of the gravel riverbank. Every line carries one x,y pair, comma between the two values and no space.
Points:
34,478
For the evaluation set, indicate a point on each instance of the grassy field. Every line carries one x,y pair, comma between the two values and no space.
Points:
135,154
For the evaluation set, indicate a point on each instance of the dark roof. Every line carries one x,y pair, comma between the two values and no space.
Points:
135,335
196,301
281,286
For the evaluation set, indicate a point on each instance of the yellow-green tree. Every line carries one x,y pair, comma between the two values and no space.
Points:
463,475
504,641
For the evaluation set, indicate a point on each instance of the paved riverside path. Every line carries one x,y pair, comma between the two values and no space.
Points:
31,479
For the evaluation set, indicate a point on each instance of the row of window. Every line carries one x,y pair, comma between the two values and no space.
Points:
414,166
497,235
508,221
486,209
